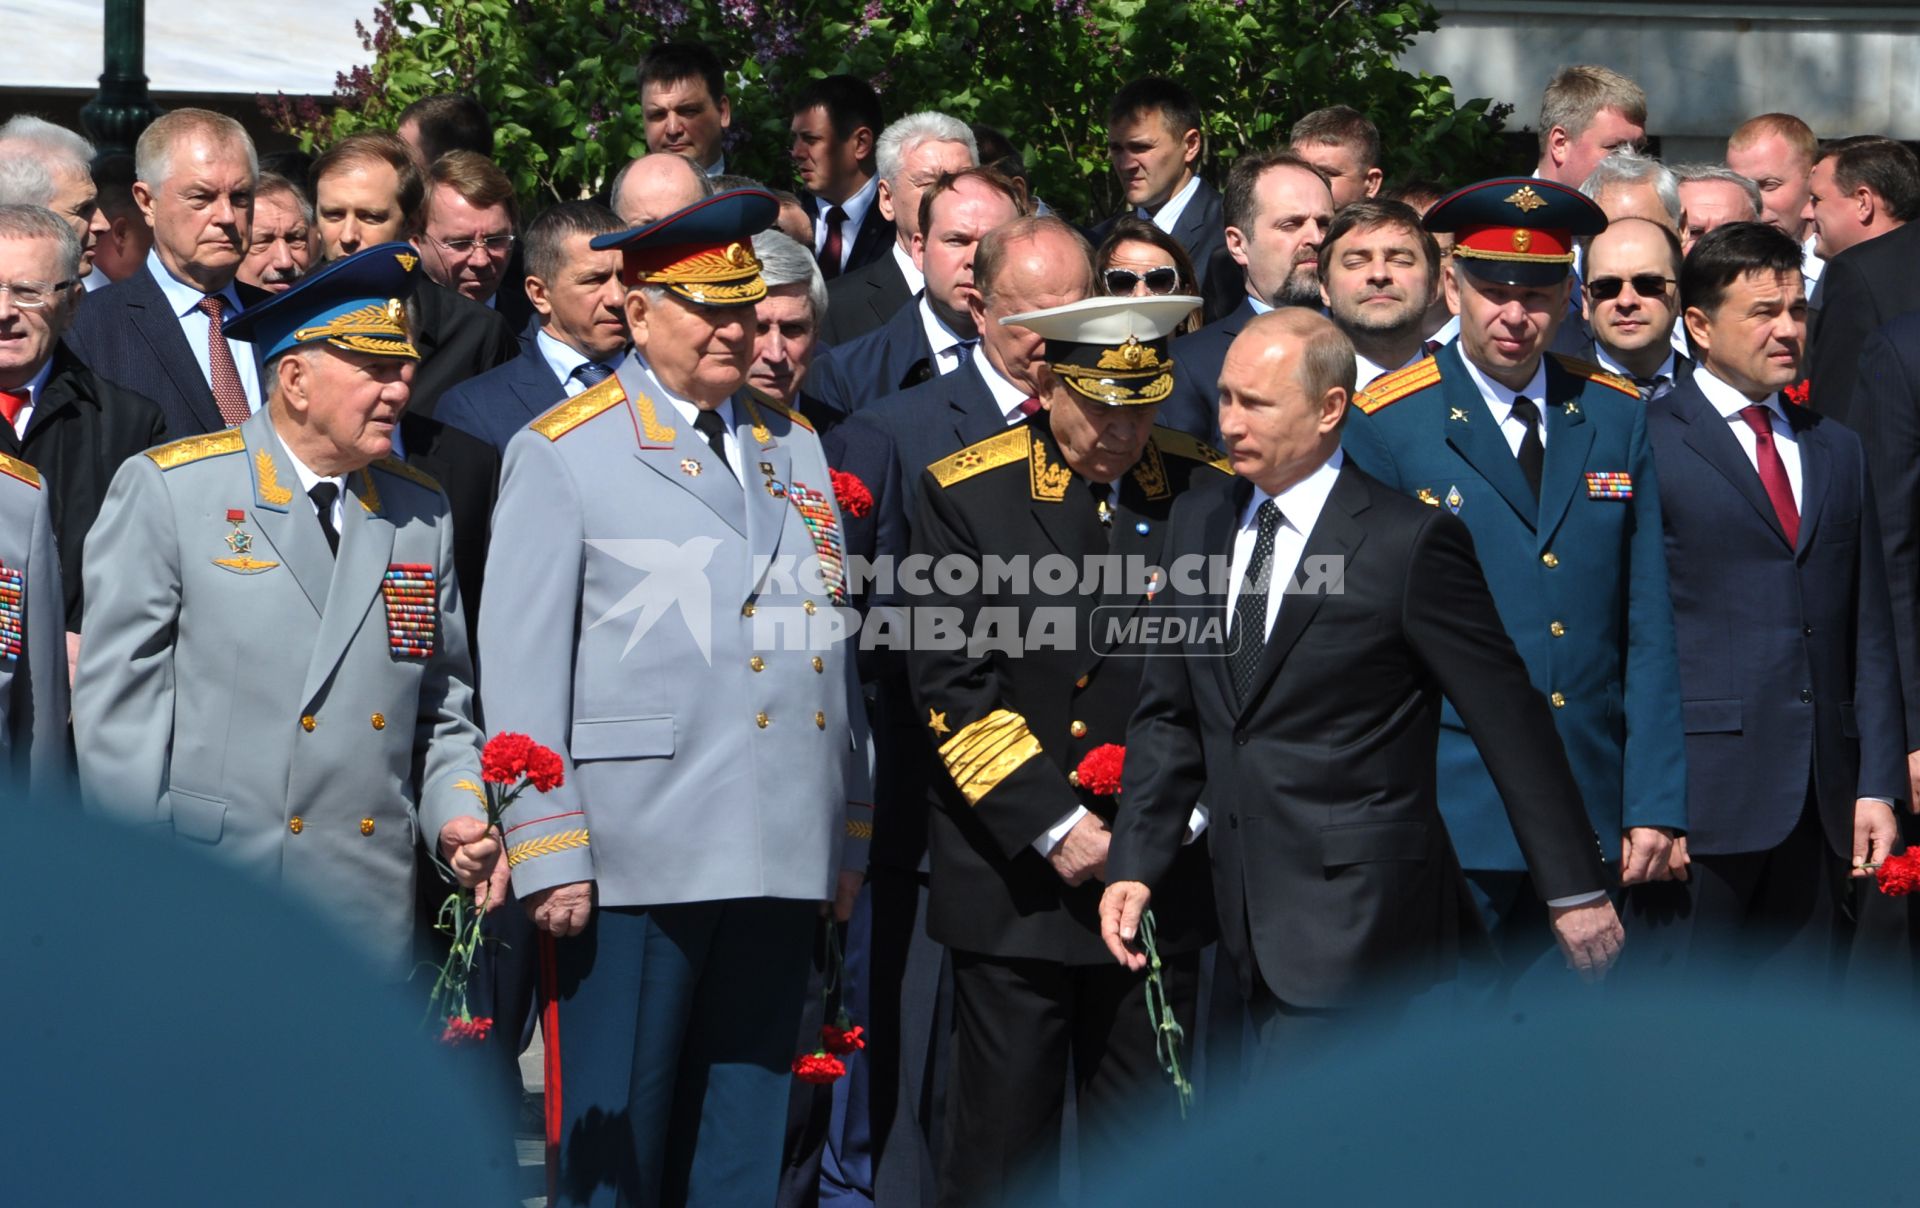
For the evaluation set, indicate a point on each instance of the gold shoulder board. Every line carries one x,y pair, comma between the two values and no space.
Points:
194,448
999,450
774,404
400,469
579,409
1594,373
1393,387
13,467
1181,444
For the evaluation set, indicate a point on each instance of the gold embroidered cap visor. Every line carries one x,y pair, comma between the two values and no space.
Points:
703,253
357,303
1111,350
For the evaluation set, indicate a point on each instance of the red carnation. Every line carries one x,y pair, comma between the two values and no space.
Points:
842,1040
463,1031
504,759
1798,395
545,769
1099,772
1899,875
818,1068
851,494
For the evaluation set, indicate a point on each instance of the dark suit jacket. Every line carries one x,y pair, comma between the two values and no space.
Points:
1861,290
1332,870
1194,405
870,243
885,361
860,301
992,892
1787,655
503,400
1202,230
458,339
1886,414
82,428
468,469
936,419
128,334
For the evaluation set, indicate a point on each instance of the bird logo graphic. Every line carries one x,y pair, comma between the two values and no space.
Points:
673,574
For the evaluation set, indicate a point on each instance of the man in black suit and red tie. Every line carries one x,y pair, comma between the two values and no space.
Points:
1313,726
836,125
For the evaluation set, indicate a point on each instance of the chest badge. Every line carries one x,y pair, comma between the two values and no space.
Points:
240,542
1454,500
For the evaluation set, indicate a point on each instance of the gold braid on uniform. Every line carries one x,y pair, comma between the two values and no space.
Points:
1000,449
270,488
581,408
546,845
983,753
1594,373
193,448
1398,385
1176,443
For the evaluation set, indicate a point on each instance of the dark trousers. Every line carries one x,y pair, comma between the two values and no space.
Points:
674,1027
1018,1023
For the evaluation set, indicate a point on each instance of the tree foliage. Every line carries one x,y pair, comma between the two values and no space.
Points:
558,77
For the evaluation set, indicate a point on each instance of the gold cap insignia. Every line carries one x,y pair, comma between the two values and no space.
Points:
1526,200
1522,239
407,260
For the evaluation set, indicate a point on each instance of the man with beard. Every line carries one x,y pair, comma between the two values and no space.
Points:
1379,275
1278,209
1631,299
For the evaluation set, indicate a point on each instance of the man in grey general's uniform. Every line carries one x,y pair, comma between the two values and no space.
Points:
34,759
276,664
650,584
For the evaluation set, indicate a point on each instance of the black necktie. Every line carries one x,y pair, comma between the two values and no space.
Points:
592,373
323,494
1250,607
714,429
1532,453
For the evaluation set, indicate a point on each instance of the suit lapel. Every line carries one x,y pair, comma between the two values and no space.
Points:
286,520
534,384
1709,436
1217,530
1569,440
366,549
976,415
1335,535
769,467
1473,434
671,448
1816,473
154,319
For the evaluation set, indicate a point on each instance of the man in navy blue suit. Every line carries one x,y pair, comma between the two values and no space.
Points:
1278,209
1788,673
576,294
1156,142
936,335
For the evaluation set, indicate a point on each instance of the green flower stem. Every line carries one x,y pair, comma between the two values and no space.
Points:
1168,1035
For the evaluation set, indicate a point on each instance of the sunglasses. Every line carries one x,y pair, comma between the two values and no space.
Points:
1159,280
1647,285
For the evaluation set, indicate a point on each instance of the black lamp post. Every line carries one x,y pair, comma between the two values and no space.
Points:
121,109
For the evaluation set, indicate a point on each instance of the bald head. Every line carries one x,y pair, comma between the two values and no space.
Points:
654,186
1023,265
1284,387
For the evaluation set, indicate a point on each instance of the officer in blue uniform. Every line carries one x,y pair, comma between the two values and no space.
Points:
1546,460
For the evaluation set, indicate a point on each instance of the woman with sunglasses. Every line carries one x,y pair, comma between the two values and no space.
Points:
1138,259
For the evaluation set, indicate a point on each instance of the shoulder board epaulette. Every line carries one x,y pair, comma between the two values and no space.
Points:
1594,373
400,469
999,450
774,404
13,467
579,409
1183,444
1392,387
194,448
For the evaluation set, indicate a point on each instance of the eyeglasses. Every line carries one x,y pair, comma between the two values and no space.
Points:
1647,285
32,295
496,245
1162,280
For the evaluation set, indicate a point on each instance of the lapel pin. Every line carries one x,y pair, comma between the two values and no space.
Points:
1142,527
1453,500
1573,408
1425,495
1457,414
690,467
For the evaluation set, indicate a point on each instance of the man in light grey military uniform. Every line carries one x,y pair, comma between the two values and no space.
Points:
34,760
650,573
276,664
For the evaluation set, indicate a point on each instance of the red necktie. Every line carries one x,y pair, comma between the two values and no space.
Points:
228,393
1029,408
12,402
1773,471
830,254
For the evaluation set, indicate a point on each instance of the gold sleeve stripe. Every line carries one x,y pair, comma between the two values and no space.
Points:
193,448
859,830
546,845
983,753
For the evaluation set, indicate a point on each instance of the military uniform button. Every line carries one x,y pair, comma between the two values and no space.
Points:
746,610
307,723
379,721
1078,729
1557,630
366,826
757,663
1559,700
761,720
1081,682
820,719
295,825
809,607
819,664
1806,696
1551,559
1073,778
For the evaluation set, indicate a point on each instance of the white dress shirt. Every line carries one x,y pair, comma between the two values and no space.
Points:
33,389
185,301
1006,395
855,208
1499,400
1730,403
1176,206
689,412
97,279
1811,265
565,360
1300,507
1669,368
943,340
916,280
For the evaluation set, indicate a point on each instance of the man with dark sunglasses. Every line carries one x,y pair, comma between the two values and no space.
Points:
1630,300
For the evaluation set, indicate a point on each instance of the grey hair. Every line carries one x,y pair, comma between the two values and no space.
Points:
24,180
54,145
785,262
1690,174
898,140
38,222
1625,167
153,154
272,184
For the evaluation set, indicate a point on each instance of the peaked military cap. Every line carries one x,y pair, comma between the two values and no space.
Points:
1111,350
355,303
704,252
1516,230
